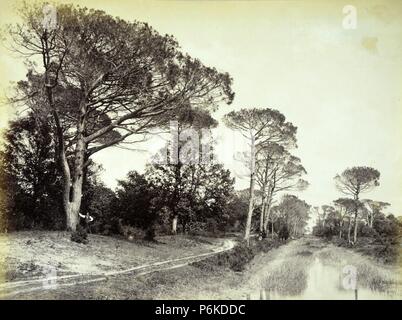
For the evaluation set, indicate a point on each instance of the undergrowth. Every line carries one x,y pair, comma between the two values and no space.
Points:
237,258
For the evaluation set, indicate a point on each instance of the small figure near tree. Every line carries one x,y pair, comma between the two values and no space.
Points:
87,220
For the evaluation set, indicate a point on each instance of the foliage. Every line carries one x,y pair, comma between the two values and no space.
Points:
283,233
30,184
103,80
135,204
378,236
80,235
239,257
293,214
31,181
356,180
262,127
200,193
98,201
352,182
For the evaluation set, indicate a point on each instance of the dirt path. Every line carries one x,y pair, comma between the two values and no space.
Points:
37,286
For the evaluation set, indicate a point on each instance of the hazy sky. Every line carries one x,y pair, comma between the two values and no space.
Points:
341,87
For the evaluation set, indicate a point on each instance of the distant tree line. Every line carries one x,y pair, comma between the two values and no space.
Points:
354,221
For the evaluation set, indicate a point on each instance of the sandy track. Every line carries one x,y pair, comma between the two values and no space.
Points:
17,289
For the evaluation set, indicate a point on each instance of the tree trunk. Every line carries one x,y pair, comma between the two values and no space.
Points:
250,209
263,209
371,218
183,226
349,228
72,206
340,229
71,217
272,229
252,185
267,214
355,219
174,224
355,229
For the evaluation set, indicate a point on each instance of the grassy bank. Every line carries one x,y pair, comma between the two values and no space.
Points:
386,251
238,258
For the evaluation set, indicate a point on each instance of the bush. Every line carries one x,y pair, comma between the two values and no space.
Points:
325,231
366,231
150,234
130,232
237,258
339,242
283,232
80,235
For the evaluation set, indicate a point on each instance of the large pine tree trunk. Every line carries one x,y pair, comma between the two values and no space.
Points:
72,206
71,217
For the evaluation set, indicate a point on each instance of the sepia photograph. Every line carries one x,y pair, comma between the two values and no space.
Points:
217,150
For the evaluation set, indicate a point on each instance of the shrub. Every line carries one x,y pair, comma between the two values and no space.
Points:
80,235
150,234
237,258
283,232
367,231
325,231
130,232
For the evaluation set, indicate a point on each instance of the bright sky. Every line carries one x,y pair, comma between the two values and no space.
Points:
341,87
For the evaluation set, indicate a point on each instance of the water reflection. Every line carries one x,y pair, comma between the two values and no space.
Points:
315,280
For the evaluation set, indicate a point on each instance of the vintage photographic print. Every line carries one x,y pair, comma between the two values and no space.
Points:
200,150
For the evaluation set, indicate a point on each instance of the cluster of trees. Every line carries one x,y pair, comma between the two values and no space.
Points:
272,167
290,216
94,81
194,195
101,81
30,184
350,216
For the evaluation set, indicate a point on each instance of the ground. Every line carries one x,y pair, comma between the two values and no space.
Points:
307,268
27,258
